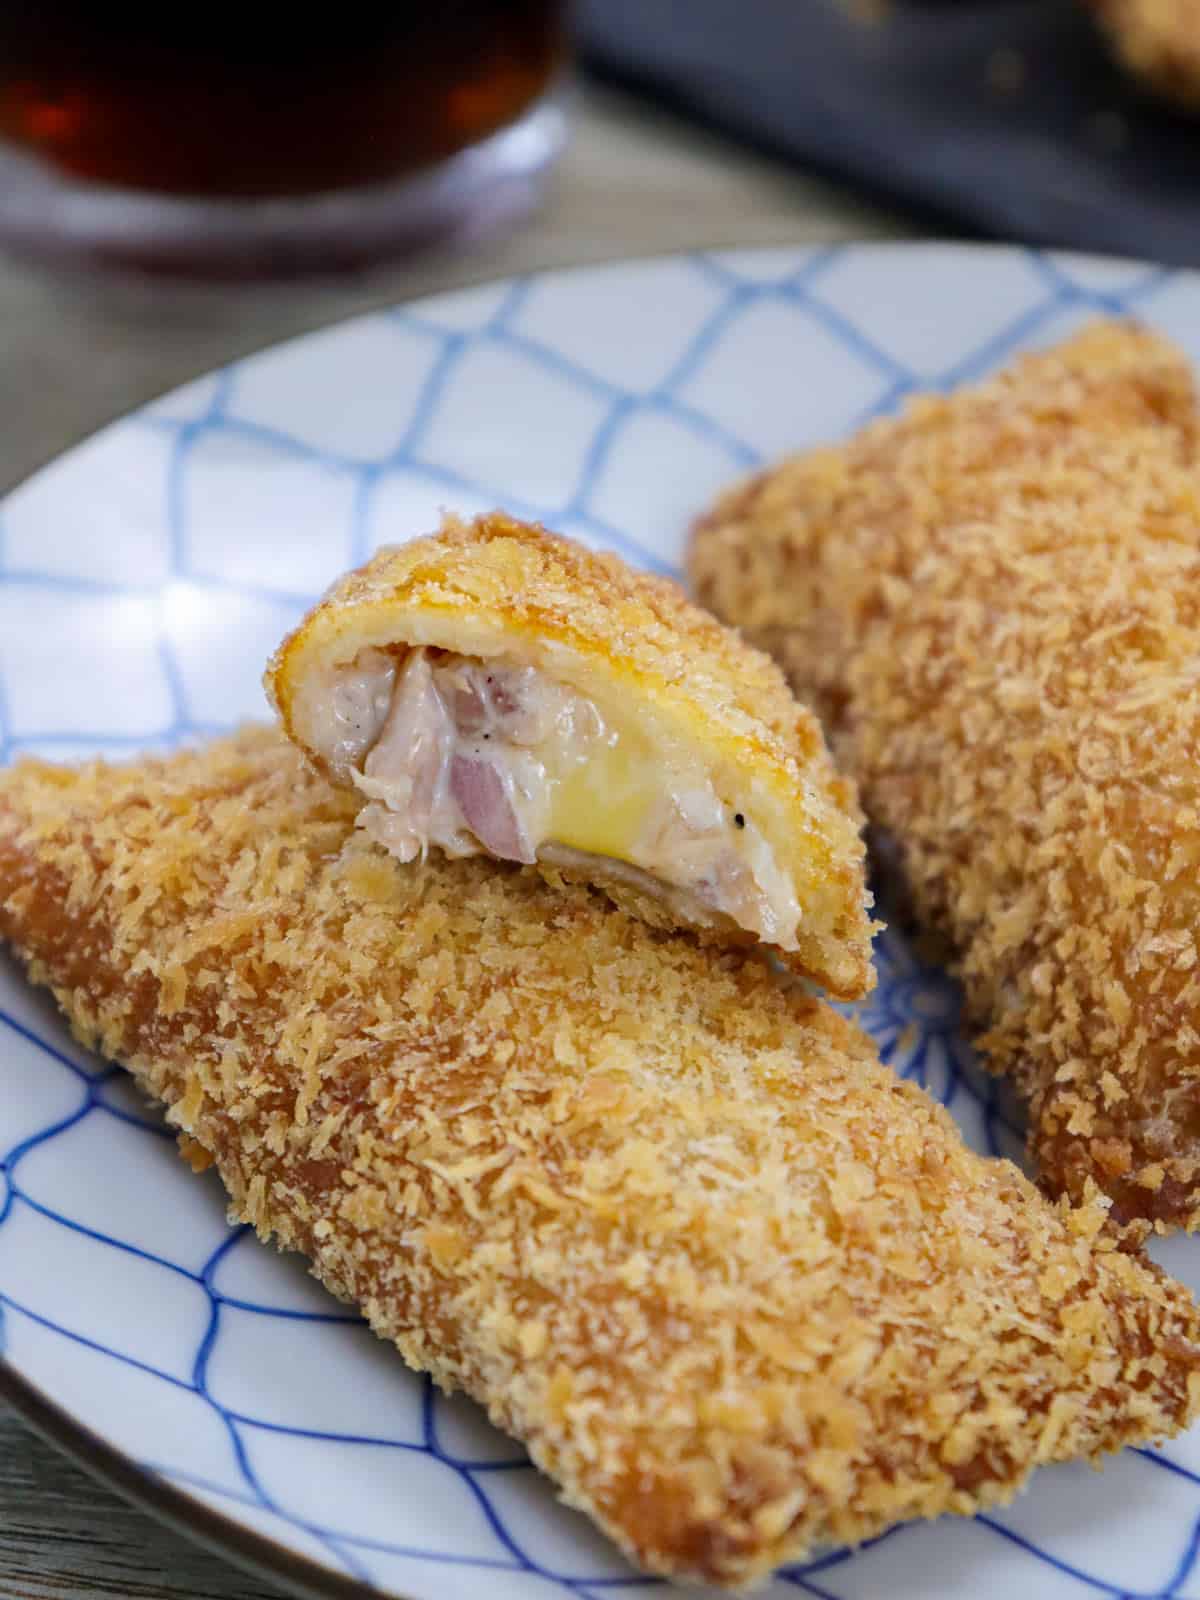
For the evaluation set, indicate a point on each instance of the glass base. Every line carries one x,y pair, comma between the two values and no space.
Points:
489,186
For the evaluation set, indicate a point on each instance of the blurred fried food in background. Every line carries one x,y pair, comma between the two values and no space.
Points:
1159,41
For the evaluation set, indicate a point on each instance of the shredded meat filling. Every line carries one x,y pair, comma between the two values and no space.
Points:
478,756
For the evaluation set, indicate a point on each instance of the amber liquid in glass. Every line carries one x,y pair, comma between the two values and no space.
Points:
258,100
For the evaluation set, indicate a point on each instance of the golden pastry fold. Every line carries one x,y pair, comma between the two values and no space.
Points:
737,1287
498,690
994,599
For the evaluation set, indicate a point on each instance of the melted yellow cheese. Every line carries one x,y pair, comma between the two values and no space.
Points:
600,803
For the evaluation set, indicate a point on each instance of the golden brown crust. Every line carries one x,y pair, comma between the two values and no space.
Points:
738,1287
598,623
1159,41
996,601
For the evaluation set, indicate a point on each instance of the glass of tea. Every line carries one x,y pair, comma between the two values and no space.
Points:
263,139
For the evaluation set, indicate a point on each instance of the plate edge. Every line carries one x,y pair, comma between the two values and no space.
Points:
869,244
254,1553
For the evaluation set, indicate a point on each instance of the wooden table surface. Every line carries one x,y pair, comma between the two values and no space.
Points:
74,354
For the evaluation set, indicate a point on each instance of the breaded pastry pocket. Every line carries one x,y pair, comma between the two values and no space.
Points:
1159,41
737,1287
497,690
995,600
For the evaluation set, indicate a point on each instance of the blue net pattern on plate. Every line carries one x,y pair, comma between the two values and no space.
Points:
913,1014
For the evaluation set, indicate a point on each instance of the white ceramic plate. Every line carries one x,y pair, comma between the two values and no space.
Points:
144,579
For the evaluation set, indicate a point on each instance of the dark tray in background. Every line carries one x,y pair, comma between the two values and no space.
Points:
1005,117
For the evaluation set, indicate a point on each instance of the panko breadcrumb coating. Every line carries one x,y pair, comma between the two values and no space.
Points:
496,688
1159,41
995,599
737,1287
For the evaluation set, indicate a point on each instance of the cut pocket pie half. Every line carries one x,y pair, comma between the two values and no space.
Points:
498,690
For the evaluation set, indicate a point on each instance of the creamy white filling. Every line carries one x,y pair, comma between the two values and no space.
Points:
351,708
476,756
